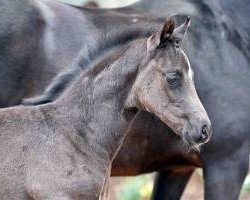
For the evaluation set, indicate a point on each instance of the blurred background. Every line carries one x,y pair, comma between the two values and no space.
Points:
140,187
102,3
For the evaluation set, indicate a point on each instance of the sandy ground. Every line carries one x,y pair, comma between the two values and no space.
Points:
194,190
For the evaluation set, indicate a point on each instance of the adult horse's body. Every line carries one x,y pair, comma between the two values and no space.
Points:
218,51
64,150
41,38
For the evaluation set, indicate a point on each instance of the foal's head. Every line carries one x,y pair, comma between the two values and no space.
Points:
165,86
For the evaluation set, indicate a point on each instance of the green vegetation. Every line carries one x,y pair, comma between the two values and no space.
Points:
246,186
140,188
135,188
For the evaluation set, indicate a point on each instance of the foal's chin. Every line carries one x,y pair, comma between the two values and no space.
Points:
191,145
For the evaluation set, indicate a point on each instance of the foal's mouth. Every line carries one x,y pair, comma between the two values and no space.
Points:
191,144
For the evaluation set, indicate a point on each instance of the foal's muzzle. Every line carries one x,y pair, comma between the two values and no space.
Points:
199,134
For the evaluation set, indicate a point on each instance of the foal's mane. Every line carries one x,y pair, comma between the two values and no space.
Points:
88,56
110,41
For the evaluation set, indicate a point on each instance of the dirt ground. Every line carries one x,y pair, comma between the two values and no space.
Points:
194,190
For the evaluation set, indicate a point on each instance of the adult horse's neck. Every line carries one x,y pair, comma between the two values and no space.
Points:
94,104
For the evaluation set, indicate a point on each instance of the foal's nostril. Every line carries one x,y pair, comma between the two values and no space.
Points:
204,133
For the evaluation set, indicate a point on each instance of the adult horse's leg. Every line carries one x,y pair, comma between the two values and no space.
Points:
224,178
170,184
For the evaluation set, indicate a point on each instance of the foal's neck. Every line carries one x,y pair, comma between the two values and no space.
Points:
95,102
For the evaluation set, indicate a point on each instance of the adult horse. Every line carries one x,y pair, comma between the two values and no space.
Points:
41,38
220,58
64,150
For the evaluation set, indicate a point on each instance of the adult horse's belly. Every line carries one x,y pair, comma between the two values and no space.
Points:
150,146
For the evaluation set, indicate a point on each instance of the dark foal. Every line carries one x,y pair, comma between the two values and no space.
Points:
64,150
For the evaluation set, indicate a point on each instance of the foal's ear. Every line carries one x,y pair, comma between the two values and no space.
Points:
168,33
161,36
180,32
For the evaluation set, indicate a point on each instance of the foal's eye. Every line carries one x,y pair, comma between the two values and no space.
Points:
173,80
